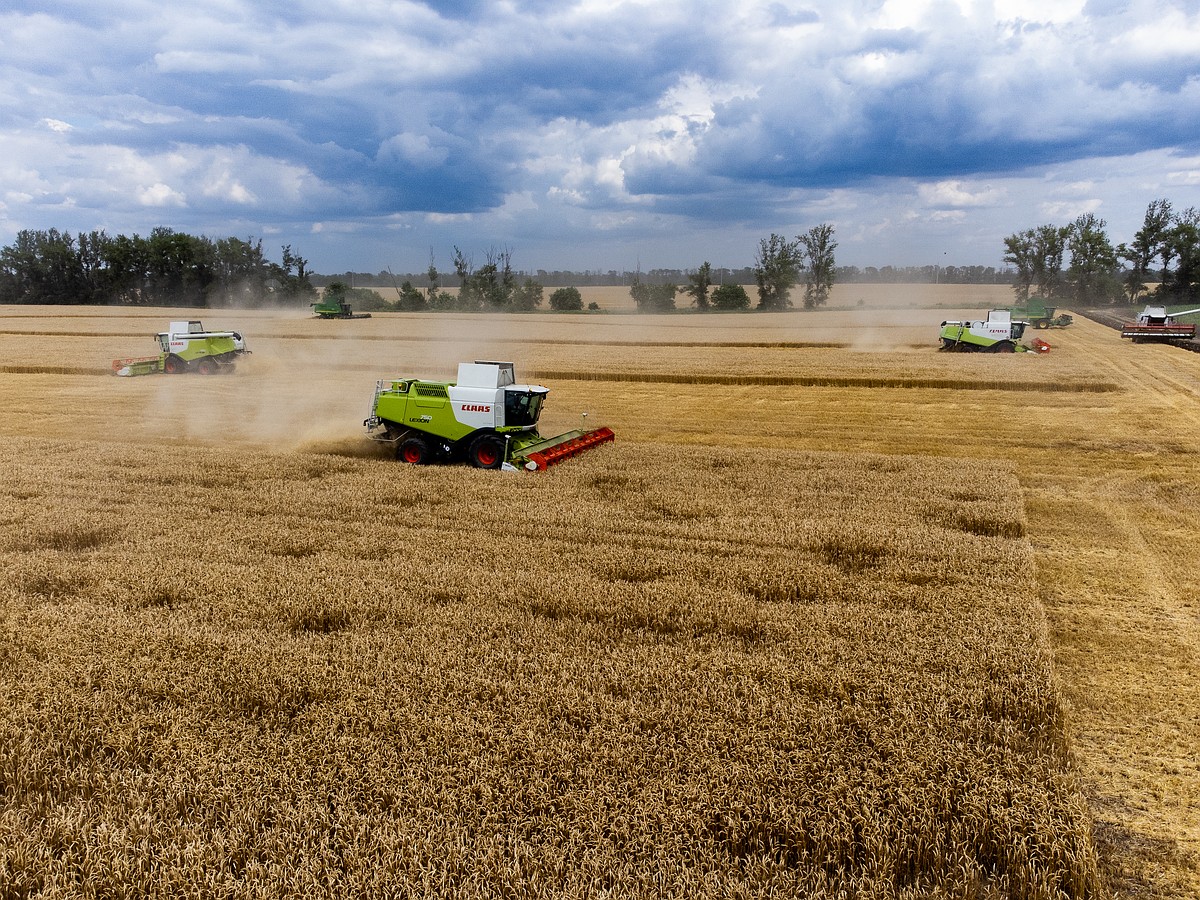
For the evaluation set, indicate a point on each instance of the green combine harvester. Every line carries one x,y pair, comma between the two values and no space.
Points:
484,417
999,333
187,347
1039,315
335,308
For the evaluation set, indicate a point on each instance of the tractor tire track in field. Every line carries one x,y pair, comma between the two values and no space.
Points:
1149,371
818,381
54,370
521,341
1122,601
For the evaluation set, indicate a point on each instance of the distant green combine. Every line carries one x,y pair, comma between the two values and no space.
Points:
1039,315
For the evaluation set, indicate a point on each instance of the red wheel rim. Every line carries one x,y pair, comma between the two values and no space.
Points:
487,455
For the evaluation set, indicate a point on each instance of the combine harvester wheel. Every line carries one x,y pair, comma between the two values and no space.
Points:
414,451
486,452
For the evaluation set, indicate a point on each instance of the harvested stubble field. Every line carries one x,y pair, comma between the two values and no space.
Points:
915,629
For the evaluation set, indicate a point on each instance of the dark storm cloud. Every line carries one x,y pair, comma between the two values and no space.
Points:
532,114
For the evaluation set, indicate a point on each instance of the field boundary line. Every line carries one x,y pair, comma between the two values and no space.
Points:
832,381
562,342
54,370
836,381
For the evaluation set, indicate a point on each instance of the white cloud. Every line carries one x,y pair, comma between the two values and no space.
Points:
159,194
904,121
950,194
1059,11
417,149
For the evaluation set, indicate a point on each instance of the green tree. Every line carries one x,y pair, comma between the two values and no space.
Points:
336,292
181,268
468,298
1093,262
1020,251
730,296
1183,246
566,299
527,295
652,297
776,271
1147,244
242,271
1037,255
493,282
817,246
434,278
168,268
291,277
409,298
1049,247
698,284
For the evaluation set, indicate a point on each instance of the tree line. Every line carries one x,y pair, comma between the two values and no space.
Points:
167,268
1076,261
1079,262
718,275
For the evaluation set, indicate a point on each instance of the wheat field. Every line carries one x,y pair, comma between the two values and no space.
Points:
837,615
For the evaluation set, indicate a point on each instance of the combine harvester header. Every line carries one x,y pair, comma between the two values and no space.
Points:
187,347
484,417
1154,323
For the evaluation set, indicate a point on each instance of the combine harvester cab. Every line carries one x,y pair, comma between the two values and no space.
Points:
999,333
187,347
1154,323
484,417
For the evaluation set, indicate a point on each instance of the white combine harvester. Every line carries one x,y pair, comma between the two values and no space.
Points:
1154,323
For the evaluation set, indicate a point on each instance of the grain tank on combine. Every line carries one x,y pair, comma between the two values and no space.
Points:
999,333
187,347
484,417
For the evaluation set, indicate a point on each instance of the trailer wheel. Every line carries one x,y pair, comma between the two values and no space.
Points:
1042,323
206,366
486,452
414,451
173,365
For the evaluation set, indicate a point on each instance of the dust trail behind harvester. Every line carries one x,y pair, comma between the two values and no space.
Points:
304,392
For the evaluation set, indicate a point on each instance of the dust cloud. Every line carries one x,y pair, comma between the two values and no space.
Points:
308,388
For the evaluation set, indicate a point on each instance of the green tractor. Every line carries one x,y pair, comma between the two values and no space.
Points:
484,418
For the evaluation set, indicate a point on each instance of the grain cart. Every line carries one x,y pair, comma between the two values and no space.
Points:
999,333
484,417
1154,323
187,347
